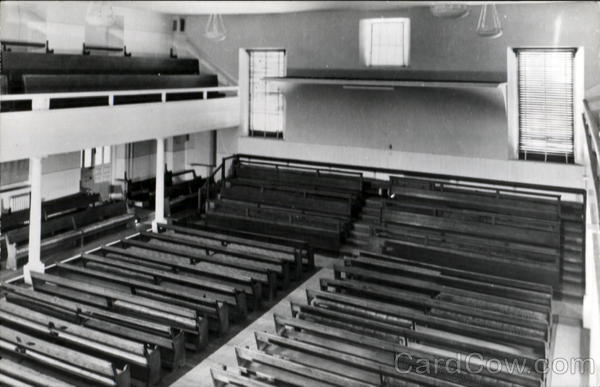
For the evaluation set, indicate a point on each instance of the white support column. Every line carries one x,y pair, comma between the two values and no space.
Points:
34,262
159,199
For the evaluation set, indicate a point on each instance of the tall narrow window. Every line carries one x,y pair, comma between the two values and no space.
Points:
266,102
546,128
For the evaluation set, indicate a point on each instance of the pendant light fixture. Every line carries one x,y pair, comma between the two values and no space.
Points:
215,28
489,25
450,10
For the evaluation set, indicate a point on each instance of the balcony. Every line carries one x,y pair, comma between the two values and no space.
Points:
52,123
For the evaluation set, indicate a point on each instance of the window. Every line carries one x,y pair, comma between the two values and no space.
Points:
95,156
385,42
546,122
266,102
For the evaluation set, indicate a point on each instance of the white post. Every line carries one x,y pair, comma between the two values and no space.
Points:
34,262
159,198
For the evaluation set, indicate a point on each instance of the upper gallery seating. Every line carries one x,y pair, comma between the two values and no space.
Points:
28,72
117,315
381,319
66,221
312,204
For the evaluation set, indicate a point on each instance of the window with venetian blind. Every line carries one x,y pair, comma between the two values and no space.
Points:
546,122
266,102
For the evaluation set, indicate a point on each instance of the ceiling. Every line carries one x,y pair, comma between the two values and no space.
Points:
262,7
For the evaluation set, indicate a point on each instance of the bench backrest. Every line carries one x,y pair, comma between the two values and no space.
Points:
50,209
98,213
37,83
15,64
49,227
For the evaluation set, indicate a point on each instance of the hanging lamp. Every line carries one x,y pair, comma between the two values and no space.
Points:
215,28
489,25
450,10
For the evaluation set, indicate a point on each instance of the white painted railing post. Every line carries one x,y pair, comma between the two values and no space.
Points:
159,199
34,262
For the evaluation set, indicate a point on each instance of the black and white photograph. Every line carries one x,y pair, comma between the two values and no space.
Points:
300,193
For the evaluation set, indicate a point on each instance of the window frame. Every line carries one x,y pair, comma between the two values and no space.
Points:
366,41
246,66
510,91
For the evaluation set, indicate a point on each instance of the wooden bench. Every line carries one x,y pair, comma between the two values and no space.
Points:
144,361
17,375
473,261
384,348
546,209
310,177
302,248
287,199
256,364
438,300
316,237
265,274
492,247
297,256
102,218
281,266
474,228
213,275
169,340
61,231
208,292
16,64
194,326
55,233
215,311
515,290
50,208
352,196
45,355
55,83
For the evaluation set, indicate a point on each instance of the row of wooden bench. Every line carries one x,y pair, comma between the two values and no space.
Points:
314,205
181,189
515,234
63,231
50,209
120,313
385,321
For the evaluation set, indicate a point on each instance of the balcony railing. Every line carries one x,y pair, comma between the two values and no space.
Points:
42,101
51,123
591,305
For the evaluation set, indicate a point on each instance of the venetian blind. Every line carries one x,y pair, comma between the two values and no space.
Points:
546,104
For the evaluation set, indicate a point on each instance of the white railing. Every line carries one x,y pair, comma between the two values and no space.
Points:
41,101
591,305
19,202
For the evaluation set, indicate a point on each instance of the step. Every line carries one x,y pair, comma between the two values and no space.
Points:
371,211
373,202
357,242
573,268
573,257
572,247
369,219
573,238
360,235
572,278
572,290
362,227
